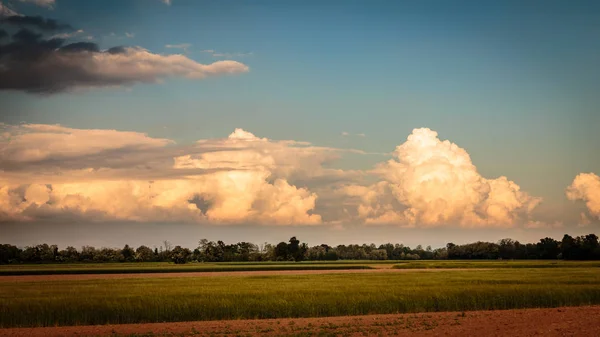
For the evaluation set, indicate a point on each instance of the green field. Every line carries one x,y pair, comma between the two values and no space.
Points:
437,264
72,302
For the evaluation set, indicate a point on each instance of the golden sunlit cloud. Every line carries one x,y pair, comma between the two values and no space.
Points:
586,187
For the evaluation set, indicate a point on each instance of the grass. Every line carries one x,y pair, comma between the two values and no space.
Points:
165,267
161,267
448,264
114,301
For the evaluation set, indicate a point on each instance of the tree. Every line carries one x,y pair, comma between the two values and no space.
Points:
70,254
87,254
128,253
548,248
281,251
590,247
9,254
180,255
569,248
378,254
167,245
293,248
144,254
506,249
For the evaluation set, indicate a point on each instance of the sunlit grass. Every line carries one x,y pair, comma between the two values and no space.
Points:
235,297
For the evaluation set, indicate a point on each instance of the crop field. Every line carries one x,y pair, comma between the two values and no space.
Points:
145,300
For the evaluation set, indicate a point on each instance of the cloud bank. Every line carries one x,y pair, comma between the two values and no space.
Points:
239,179
32,63
56,172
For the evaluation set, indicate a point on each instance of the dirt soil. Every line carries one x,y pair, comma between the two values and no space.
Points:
28,278
566,321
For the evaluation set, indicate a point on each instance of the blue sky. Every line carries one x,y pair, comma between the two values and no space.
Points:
514,83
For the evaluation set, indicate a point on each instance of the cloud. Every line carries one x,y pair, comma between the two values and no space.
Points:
67,35
348,134
57,173
166,2
32,63
183,46
47,66
41,3
126,35
216,54
31,143
37,22
7,12
231,55
543,225
586,187
239,179
434,183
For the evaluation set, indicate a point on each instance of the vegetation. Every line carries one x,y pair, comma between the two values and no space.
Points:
49,303
569,248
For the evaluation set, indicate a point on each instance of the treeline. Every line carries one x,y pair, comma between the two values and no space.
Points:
569,248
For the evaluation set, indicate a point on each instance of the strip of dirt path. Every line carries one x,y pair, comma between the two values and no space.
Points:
566,321
27,278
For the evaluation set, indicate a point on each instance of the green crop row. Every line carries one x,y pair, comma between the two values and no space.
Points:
72,302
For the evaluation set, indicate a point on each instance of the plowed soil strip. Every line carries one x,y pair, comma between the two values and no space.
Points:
570,321
27,278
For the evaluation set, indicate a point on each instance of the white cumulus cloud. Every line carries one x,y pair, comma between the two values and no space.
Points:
586,187
434,183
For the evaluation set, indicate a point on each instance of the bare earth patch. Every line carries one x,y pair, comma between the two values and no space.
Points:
27,278
566,321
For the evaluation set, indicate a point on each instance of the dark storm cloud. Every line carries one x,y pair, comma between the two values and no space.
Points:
80,47
26,36
116,50
38,22
26,46
32,62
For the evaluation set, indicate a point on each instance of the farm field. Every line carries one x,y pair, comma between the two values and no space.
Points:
448,264
147,300
165,267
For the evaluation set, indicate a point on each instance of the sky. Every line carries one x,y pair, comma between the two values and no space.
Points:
416,122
